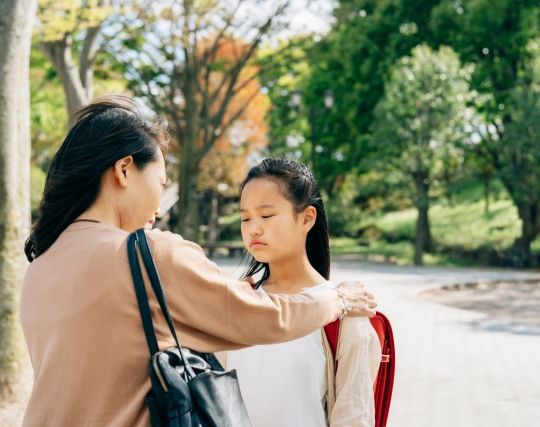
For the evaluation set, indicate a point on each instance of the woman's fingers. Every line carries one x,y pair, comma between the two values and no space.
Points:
250,280
362,302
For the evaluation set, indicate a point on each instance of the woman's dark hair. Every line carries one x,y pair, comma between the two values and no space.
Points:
103,132
299,186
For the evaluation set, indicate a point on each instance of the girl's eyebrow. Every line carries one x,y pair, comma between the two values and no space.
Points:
259,207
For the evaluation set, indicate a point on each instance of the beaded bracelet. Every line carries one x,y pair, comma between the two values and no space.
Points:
346,305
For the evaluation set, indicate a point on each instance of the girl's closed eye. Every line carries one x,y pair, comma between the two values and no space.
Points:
267,216
244,219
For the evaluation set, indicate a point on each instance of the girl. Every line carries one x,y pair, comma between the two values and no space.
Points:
299,383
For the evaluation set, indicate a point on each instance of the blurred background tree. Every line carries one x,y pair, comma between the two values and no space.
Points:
16,19
236,84
420,126
69,37
190,60
498,38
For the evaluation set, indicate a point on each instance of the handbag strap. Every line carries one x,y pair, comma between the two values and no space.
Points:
142,297
155,281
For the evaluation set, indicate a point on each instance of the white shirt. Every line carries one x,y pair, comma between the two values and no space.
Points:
284,385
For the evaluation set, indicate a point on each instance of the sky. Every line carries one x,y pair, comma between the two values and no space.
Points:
310,16
302,16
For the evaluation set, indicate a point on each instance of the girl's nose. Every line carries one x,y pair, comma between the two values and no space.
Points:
255,229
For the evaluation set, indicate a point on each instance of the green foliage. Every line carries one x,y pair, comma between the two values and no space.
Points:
48,111
422,118
47,107
462,232
499,37
520,150
421,126
342,211
353,62
229,226
60,17
284,70
492,34
463,225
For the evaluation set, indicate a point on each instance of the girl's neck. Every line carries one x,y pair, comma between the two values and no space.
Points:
292,275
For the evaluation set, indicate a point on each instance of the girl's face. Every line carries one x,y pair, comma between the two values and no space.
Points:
271,229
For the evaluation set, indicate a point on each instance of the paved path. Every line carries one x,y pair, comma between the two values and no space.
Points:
455,368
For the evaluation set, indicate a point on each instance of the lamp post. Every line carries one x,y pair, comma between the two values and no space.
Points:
314,111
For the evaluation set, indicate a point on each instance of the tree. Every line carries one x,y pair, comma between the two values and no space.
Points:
420,120
226,165
284,71
353,61
16,18
48,111
190,59
72,58
518,157
499,37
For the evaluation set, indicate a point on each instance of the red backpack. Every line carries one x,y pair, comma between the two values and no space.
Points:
384,382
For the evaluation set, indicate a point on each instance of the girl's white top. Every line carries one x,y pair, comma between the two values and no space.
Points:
284,384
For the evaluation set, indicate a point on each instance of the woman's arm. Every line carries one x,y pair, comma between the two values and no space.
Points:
358,358
213,311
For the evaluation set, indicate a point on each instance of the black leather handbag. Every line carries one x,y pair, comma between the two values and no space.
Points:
189,389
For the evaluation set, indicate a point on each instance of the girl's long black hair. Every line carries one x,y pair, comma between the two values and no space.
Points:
103,132
299,186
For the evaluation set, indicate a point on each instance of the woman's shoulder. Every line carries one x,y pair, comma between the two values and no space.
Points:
161,237
165,244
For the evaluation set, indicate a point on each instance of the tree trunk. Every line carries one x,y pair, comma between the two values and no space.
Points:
487,192
59,53
190,159
16,19
188,202
530,228
423,233
529,214
448,192
213,221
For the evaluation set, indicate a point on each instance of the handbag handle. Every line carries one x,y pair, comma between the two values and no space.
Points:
138,239
153,275
142,297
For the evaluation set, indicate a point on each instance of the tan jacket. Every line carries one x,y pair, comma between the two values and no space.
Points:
81,322
350,400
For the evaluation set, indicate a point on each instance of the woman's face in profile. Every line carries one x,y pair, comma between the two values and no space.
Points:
143,195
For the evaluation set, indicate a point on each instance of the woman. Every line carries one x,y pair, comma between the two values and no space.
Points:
78,308
298,383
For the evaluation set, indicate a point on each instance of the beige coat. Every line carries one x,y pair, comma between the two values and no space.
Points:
350,400
84,334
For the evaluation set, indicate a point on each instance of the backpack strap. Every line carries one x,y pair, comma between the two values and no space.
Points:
332,335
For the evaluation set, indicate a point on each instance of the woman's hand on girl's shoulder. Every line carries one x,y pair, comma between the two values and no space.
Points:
362,302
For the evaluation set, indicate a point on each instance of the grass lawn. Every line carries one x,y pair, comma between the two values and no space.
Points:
464,225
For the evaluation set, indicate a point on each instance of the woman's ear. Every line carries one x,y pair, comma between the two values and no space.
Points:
309,217
122,168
